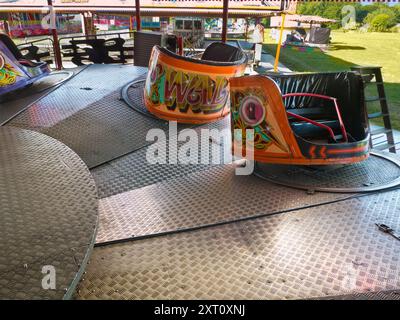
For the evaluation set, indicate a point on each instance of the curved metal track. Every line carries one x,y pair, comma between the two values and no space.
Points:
379,172
69,75
135,99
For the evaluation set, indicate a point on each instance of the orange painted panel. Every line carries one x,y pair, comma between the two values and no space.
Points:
188,90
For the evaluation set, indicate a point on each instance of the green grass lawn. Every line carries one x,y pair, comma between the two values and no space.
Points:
348,49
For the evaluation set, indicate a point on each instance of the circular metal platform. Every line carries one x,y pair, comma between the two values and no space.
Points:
380,171
132,95
48,216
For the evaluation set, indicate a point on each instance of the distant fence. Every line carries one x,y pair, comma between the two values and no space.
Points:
38,50
80,50
102,48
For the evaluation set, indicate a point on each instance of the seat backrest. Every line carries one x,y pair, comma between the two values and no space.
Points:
143,45
346,87
11,46
221,52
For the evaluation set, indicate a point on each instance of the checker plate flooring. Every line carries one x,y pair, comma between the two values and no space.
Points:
379,170
200,231
48,215
324,251
18,101
89,117
134,171
207,197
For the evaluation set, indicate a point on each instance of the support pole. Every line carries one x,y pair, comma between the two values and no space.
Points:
137,11
180,45
6,27
92,25
56,43
85,24
225,20
278,50
246,35
88,24
130,23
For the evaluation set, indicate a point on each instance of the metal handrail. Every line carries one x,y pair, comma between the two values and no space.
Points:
34,41
315,95
315,123
95,36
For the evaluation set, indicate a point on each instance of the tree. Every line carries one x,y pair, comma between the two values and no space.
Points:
381,19
325,9
364,13
396,9
382,22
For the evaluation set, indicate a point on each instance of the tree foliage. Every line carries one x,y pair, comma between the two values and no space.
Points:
381,22
378,15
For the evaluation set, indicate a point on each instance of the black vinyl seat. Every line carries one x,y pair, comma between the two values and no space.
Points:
216,54
17,53
221,52
11,46
322,115
346,87
309,131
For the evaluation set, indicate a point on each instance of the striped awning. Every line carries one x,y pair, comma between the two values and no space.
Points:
147,11
237,8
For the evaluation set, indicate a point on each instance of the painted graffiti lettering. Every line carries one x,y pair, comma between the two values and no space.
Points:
182,90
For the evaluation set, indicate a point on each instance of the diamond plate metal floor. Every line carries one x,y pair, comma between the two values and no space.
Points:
48,215
181,197
210,196
87,115
380,171
241,236
324,251
20,100
133,171
381,295
87,88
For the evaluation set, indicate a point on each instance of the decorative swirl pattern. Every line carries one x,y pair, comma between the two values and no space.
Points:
8,75
262,136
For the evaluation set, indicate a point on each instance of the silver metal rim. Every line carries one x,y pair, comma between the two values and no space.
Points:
69,76
89,245
125,98
72,288
385,156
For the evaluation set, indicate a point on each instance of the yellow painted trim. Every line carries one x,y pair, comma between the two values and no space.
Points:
278,50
